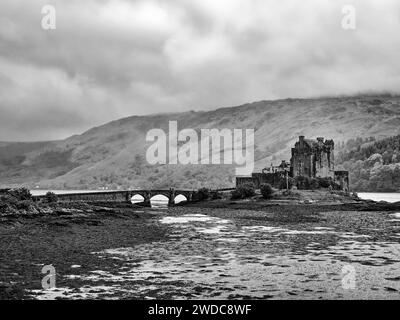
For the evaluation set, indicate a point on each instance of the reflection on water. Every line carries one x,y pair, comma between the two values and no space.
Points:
158,201
388,197
211,257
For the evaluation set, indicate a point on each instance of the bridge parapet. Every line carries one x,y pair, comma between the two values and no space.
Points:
121,196
115,196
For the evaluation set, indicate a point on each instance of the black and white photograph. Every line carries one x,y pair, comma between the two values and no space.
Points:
222,151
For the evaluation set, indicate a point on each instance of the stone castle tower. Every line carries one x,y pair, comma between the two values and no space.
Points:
313,158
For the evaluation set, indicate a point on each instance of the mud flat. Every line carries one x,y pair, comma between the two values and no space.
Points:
210,250
66,239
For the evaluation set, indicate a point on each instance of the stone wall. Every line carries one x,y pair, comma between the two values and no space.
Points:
275,179
313,158
245,180
342,179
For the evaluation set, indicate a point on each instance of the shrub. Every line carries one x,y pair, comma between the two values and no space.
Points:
325,182
314,184
203,194
51,197
21,194
9,200
328,183
291,183
15,200
243,191
235,194
266,190
216,195
247,190
24,205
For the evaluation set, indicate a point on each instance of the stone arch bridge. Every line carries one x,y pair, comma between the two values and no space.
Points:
122,196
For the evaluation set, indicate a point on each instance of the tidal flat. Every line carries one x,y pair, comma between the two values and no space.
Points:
193,252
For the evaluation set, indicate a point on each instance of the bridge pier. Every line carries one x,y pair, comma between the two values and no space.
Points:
171,197
147,197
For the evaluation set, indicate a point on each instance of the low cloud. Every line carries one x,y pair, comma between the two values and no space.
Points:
113,58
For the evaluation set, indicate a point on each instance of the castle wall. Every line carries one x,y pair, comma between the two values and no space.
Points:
245,180
342,179
324,165
275,179
313,158
302,160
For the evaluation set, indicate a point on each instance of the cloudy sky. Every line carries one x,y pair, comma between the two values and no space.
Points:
109,59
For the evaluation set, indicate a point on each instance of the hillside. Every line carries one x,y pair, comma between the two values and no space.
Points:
113,155
373,165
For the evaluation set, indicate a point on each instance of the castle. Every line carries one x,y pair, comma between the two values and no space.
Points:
313,159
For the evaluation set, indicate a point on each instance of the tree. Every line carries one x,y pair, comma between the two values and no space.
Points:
243,191
203,194
266,190
51,197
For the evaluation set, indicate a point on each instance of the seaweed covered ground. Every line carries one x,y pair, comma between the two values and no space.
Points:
66,237
118,251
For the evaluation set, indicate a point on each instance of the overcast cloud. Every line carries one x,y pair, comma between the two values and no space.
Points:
117,58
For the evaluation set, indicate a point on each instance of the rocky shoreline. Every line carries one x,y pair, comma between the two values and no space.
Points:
280,202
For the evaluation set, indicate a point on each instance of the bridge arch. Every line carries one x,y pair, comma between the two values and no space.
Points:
180,197
159,200
137,198
185,193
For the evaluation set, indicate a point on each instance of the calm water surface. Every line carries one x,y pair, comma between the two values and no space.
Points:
388,197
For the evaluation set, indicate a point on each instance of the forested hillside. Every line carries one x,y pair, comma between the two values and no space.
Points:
373,165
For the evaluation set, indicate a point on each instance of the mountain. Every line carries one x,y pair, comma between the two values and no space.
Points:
114,155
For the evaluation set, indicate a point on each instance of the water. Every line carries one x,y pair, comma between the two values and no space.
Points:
217,255
388,197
